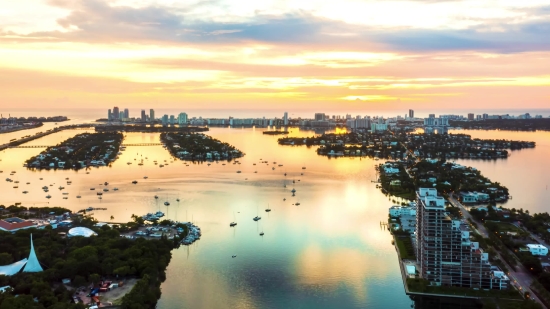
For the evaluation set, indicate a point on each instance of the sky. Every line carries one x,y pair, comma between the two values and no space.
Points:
275,54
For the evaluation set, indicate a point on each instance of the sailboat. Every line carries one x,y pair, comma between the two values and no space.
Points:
257,218
232,224
267,209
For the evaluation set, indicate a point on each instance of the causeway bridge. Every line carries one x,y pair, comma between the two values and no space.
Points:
122,145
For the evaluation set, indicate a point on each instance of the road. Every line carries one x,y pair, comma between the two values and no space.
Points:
520,277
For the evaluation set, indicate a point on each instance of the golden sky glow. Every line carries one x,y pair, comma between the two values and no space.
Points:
268,54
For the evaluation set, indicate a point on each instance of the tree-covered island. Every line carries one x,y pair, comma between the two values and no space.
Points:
199,147
80,151
392,145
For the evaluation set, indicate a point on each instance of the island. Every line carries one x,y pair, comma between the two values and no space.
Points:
198,147
79,151
274,132
380,145
532,124
71,261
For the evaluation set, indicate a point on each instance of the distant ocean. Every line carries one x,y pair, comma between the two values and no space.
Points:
90,114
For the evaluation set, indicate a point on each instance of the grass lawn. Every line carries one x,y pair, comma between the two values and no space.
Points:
506,227
404,245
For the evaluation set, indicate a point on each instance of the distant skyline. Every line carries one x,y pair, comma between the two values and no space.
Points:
295,56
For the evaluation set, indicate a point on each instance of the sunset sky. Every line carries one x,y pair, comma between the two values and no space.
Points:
287,54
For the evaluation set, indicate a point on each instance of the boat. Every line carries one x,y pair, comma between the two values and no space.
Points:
92,189
268,209
16,187
156,197
89,209
234,256
177,200
61,187
297,204
303,167
25,192
166,204
161,165
145,177
232,224
65,193
116,189
28,183
41,178
17,181
78,196
285,174
293,191
134,182
257,218
106,183
262,234
99,197
105,190
65,197
273,168
129,163
284,199
238,172
48,196
99,193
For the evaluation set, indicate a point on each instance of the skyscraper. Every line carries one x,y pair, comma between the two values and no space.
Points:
152,115
444,252
120,115
172,120
109,115
470,116
319,116
285,119
126,113
164,120
143,116
411,113
182,119
116,113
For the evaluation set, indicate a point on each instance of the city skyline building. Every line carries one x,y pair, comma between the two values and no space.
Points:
152,115
126,113
143,116
116,113
411,113
182,119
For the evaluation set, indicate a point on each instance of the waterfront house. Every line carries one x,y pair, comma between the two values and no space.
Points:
537,249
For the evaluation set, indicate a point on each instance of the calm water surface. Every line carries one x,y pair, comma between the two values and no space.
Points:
329,252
